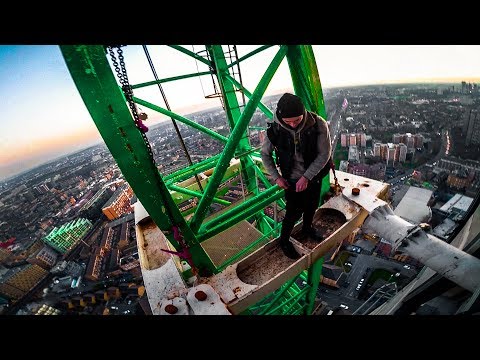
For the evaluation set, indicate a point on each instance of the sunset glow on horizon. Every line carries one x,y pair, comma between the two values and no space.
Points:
45,117
52,144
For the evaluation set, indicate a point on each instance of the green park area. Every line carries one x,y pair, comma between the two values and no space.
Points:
381,274
342,258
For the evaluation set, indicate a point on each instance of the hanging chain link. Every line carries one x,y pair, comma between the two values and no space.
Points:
121,71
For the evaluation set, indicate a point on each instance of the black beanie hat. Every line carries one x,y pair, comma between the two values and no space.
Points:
289,105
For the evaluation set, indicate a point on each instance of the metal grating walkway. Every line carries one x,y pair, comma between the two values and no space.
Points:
226,244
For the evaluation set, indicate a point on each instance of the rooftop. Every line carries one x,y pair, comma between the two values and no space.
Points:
459,201
413,206
115,195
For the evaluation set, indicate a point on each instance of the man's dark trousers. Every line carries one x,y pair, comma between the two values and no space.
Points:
305,202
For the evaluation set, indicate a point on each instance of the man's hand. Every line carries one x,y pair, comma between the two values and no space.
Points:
302,184
282,183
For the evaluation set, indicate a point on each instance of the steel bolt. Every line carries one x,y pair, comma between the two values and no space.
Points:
171,309
200,295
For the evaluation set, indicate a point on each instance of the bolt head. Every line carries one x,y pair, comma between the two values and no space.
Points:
171,309
200,295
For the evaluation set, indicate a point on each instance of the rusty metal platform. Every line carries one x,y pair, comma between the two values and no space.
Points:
264,269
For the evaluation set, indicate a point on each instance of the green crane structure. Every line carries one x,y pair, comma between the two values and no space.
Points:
113,111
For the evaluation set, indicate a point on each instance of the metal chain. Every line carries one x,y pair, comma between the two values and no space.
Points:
127,90
184,253
115,64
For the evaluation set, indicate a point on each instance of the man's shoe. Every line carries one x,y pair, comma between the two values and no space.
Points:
289,250
313,234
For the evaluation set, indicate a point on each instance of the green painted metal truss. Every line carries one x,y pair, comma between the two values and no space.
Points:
108,104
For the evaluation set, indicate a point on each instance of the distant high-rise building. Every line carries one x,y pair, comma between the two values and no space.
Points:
390,154
418,140
471,128
352,140
361,140
402,152
358,139
409,141
384,151
376,149
397,151
118,204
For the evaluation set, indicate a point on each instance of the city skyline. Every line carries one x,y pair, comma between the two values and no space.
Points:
46,118
76,233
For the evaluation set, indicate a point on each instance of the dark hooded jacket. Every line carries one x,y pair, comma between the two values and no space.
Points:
303,151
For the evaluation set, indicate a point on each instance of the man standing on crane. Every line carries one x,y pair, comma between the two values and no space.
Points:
301,141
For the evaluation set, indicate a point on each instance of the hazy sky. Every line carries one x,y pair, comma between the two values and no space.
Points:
44,116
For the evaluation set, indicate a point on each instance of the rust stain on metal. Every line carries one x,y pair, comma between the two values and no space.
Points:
266,267
327,221
151,246
342,204
237,289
